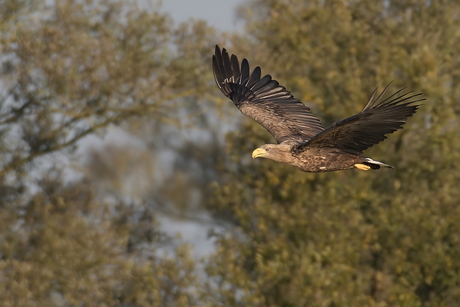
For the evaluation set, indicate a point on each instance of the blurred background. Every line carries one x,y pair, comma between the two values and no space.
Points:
126,177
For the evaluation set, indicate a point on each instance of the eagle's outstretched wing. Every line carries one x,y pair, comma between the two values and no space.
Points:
369,127
264,99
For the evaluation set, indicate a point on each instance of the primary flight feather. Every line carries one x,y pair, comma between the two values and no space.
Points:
302,140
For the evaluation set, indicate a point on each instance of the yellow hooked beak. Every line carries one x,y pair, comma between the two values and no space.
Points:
259,152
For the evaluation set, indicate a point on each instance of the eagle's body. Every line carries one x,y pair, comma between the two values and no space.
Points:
316,160
302,140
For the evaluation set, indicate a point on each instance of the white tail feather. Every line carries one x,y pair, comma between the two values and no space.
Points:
369,160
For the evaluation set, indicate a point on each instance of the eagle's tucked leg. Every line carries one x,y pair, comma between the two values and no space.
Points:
362,167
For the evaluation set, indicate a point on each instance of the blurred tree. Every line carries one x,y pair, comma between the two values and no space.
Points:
69,69
387,238
66,248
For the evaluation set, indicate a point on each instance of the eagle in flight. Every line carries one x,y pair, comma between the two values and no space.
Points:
302,141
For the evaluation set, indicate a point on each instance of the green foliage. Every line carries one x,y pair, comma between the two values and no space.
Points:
70,69
74,68
65,248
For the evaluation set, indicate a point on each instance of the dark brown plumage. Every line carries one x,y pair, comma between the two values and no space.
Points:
302,140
